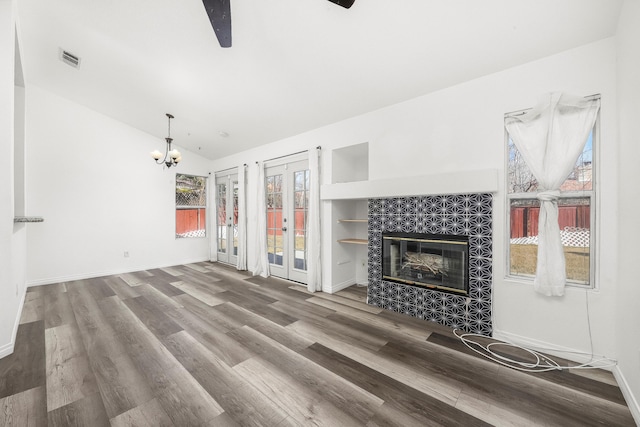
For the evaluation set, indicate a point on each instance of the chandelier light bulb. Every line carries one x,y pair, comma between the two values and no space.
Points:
174,154
156,154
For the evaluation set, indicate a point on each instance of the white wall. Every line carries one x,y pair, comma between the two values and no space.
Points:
12,237
100,194
461,129
628,307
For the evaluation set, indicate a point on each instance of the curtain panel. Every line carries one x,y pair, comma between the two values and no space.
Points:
261,266
242,219
314,250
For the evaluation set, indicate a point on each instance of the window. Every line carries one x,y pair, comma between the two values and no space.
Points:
191,206
575,213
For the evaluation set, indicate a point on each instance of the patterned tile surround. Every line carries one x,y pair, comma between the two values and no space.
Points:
468,215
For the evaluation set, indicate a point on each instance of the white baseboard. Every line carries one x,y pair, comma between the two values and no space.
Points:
575,356
629,397
341,286
572,354
8,348
82,276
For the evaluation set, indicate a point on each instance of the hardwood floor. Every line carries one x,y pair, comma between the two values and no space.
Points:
205,345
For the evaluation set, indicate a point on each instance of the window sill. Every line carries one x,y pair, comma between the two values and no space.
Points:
525,281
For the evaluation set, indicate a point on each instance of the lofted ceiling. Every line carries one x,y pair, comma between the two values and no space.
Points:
295,65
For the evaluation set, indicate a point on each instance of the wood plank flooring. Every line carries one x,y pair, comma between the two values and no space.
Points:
205,345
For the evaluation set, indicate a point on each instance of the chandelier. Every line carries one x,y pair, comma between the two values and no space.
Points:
171,157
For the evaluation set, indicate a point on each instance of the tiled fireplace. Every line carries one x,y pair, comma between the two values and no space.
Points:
464,218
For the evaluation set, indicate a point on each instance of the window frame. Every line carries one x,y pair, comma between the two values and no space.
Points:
192,207
593,209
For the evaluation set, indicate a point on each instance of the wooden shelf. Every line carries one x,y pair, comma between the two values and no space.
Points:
352,220
354,241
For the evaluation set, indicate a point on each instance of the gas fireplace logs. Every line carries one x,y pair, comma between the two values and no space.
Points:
425,262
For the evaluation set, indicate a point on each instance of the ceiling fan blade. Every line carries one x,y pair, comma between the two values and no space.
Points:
344,3
219,12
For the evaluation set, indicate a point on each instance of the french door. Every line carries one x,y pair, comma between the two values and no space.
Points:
287,197
227,218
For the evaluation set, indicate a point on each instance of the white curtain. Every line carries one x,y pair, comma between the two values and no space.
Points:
314,264
260,247
213,220
550,138
242,219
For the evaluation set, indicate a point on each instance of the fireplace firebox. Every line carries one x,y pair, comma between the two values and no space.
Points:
427,260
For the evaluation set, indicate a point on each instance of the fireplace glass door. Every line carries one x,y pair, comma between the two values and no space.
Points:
431,261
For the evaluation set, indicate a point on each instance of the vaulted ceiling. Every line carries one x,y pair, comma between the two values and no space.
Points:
295,65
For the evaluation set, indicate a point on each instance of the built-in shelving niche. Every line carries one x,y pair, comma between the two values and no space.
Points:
349,219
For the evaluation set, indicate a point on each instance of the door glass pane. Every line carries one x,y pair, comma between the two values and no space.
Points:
271,244
301,204
235,218
270,205
298,179
299,197
299,260
277,219
221,210
274,219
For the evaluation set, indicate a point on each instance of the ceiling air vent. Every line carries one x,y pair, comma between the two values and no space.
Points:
69,59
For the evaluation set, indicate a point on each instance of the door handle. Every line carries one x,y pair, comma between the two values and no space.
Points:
284,228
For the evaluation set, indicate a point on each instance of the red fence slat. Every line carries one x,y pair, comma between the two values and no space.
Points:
524,220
